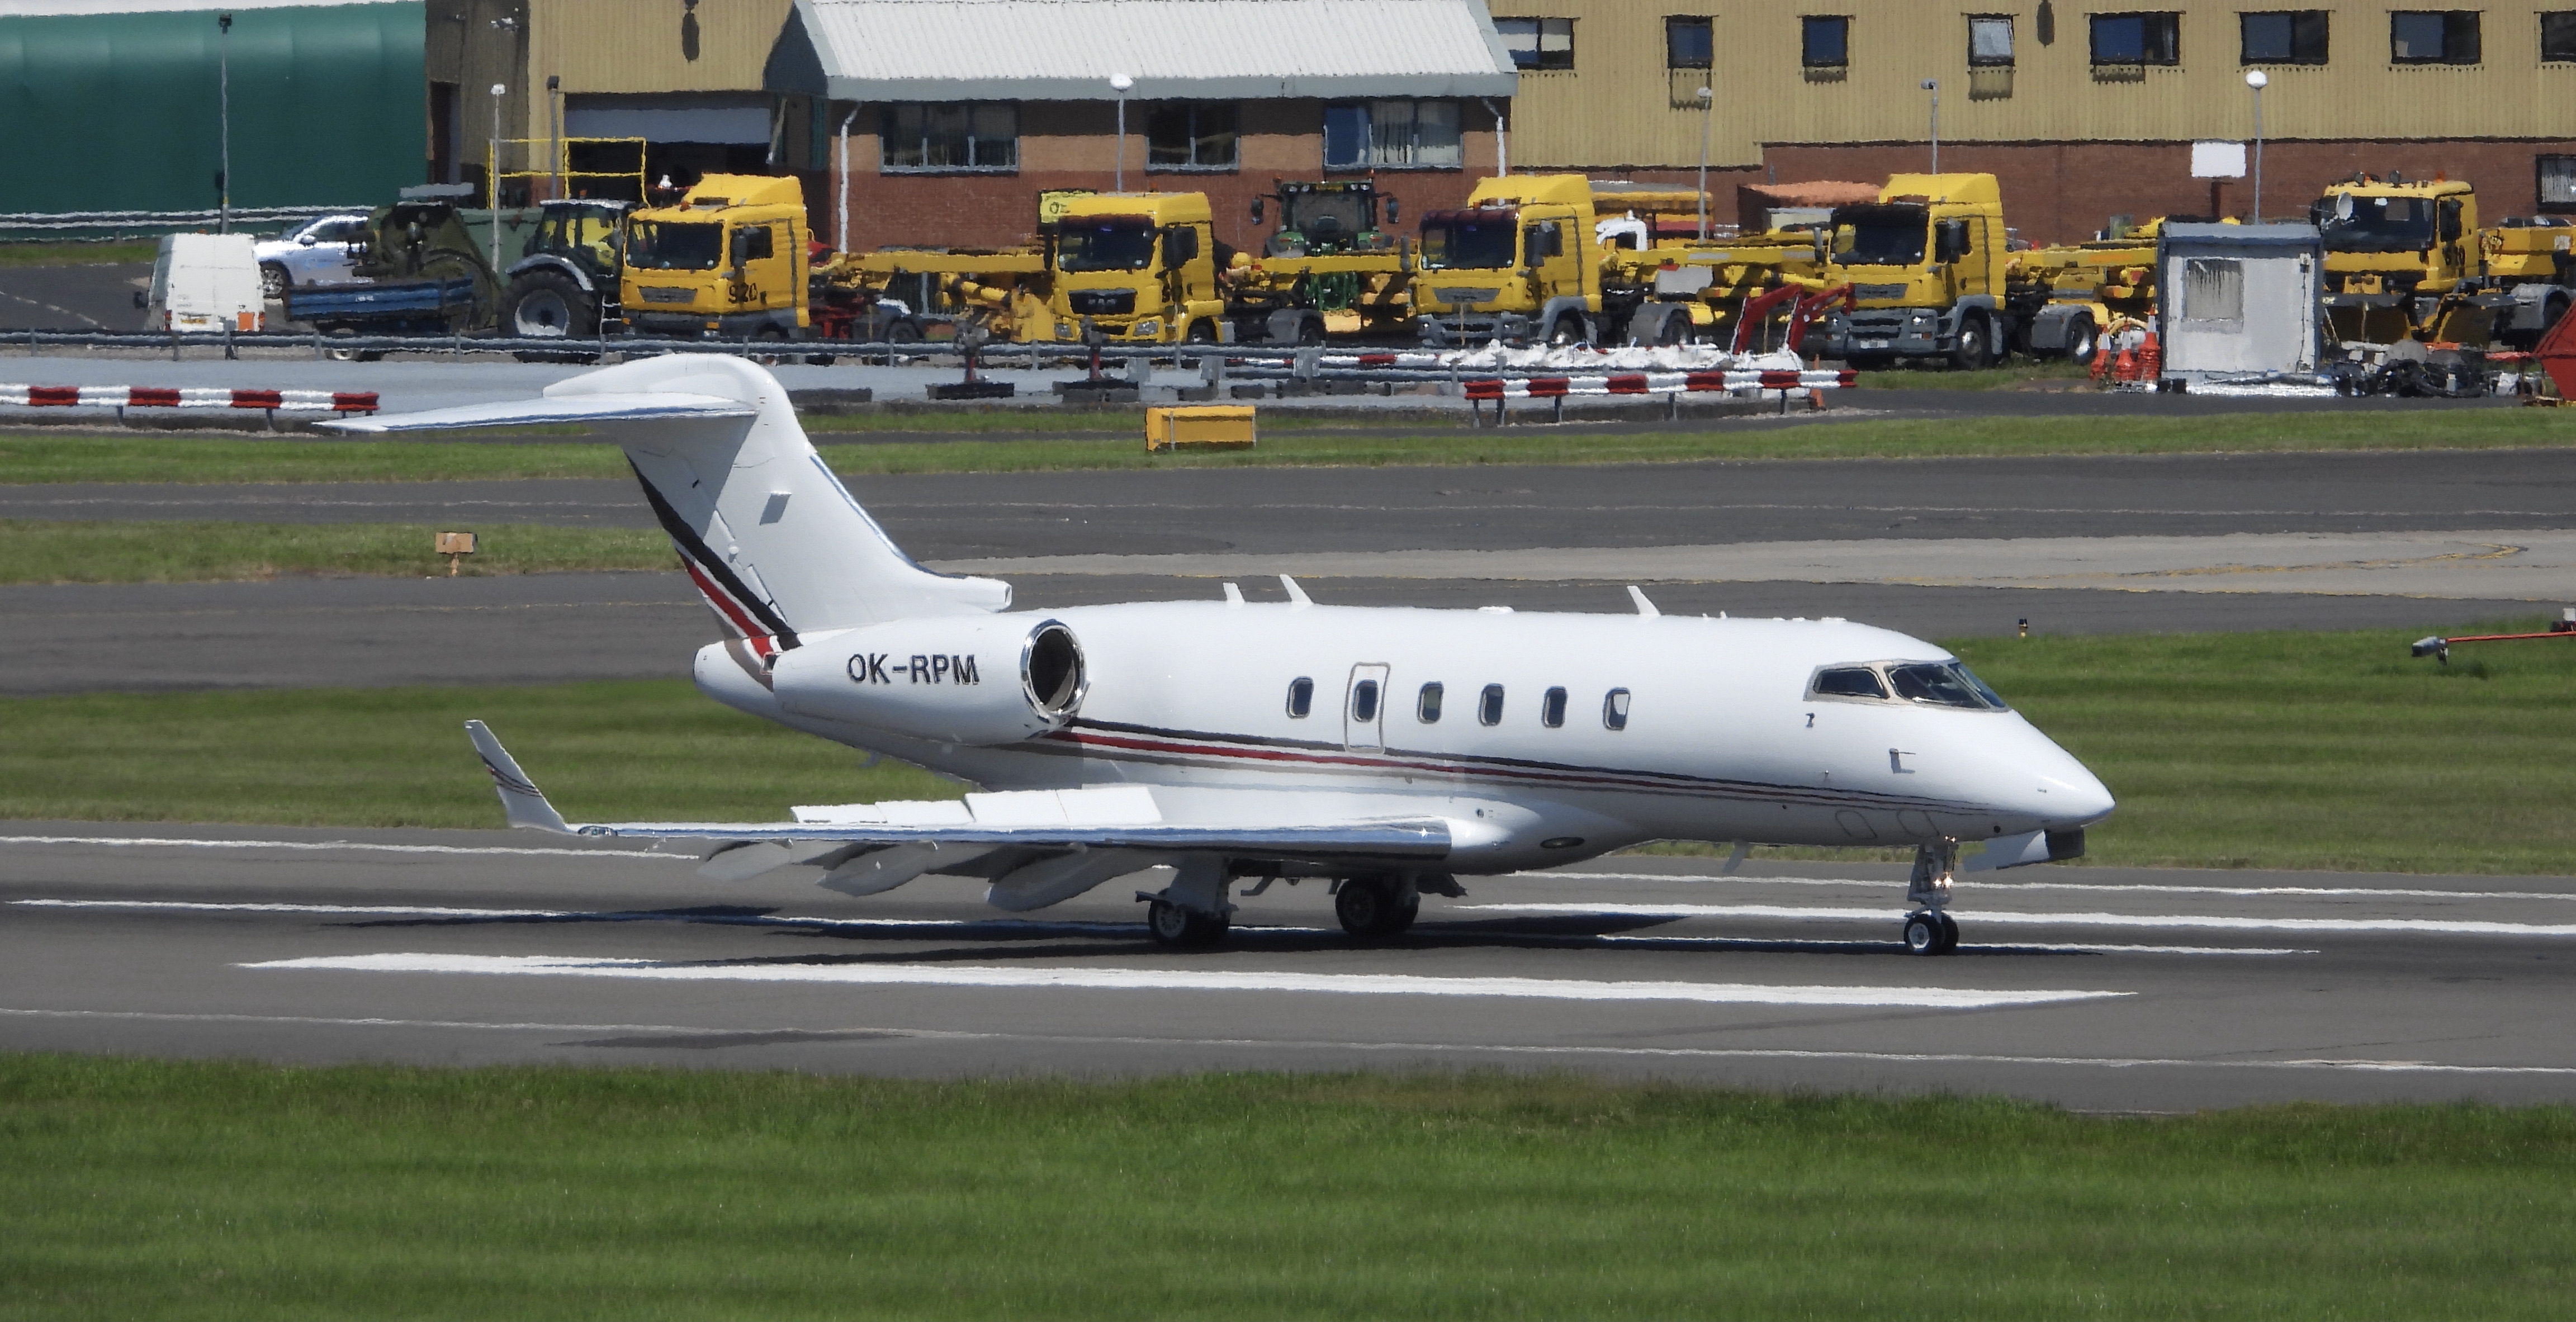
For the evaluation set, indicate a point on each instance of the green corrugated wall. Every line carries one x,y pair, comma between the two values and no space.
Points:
118,111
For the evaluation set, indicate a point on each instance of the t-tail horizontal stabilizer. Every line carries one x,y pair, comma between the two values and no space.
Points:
553,409
521,801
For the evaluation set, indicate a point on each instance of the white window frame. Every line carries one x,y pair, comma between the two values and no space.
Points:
928,111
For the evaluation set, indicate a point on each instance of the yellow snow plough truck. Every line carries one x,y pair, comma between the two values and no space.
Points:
1928,266
2407,260
728,261
2066,298
1553,259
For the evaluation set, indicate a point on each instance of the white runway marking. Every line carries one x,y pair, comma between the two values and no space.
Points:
175,842
2053,947
1272,1044
1128,979
2213,922
2106,888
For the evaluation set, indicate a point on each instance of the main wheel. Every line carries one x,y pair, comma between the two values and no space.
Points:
546,305
1172,925
1924,933
273,281
1368,909
1975,345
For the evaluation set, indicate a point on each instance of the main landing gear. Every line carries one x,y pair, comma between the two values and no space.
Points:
1375,906
1928,929
1193,910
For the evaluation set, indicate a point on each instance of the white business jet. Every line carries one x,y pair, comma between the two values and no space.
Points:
1390,750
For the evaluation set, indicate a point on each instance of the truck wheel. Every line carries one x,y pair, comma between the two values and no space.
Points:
1202,331
273,281
1974,347
1310,331
546,305
2083,340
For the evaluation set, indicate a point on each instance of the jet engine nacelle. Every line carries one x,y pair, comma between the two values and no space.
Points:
971,679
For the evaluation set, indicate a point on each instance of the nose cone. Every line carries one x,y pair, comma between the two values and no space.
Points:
2064,793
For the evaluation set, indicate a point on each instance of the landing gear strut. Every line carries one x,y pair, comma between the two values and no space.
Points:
1193,910
1928,929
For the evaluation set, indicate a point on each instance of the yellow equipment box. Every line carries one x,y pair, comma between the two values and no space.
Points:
1199,427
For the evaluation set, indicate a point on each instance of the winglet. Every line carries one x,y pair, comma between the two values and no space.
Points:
1296,595
521,801
1644,607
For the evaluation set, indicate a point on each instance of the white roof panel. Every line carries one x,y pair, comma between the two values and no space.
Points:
1067,50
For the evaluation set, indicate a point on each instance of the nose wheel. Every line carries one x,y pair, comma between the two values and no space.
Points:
1930,933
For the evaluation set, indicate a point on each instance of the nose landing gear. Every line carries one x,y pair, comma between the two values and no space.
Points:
1928,929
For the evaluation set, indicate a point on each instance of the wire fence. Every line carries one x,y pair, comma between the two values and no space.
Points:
105,226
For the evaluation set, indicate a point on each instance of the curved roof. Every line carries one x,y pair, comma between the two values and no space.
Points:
1067,50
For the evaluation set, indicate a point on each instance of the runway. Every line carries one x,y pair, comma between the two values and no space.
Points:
2099,988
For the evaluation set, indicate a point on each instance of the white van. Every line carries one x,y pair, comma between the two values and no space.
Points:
205,282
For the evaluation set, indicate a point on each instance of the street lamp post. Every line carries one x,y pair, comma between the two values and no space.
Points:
492,183
1122,85
1707,111
1933,85
2257,79
224,116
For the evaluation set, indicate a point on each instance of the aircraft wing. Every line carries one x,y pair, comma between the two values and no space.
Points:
1120,817
549,409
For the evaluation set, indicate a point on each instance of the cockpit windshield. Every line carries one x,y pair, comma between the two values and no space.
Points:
1923,683
1105,245
2375,224
1880,234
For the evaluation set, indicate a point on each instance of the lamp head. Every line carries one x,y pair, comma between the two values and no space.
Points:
499,90
1931,84
2257,79
1121,83
1706,94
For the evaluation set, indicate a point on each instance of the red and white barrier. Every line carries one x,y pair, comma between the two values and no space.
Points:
1655,383
158,397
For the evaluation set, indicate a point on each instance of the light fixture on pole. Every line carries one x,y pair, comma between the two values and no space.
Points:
224,117
492,185
1933,85
1122,85
2258,80
1707,111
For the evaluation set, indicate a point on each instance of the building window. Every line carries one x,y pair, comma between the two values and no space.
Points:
1392,135
2558,36
1538,43
2430,36
1190,135
1990,43
1689,43
2557,182
1824,41
2290,36
951,135
2136,38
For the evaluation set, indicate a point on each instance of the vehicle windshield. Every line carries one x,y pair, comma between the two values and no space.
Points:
667,245
1104,245
1879,235
1943,684
2377,224
1470,241
1323,217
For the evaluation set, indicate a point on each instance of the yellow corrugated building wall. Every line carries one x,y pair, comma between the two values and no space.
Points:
613,46
1620,105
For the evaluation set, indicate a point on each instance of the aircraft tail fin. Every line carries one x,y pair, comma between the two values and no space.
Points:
767,533
521,801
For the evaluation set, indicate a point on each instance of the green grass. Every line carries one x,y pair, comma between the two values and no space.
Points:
77,254
44,551
1076,444
2290,750
607,750
136,1189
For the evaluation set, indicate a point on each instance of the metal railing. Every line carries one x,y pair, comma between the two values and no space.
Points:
117,224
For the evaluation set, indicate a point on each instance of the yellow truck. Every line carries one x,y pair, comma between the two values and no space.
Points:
1519,262
1928,267
2407,259
729,260
2067,296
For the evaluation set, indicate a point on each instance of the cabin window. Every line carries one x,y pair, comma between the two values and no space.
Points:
1614,710
1847,682
1427,707
1364,702
1551,708
1301,697
1489,708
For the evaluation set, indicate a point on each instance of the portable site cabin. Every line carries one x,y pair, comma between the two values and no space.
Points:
2240,305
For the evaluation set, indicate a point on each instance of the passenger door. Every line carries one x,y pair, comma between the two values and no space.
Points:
1364,708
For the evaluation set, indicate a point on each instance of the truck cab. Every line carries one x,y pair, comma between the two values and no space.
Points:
1135,267
1926,263
1518,262
729,260
2402,261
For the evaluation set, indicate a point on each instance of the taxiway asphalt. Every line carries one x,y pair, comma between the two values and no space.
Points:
2099,988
